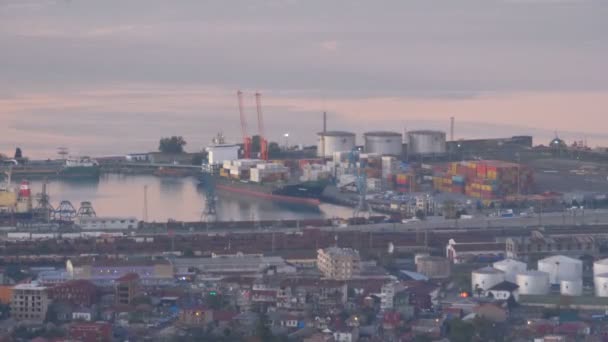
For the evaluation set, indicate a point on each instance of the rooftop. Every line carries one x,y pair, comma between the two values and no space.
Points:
382,134
336,134
29,286
103,262
504,286
336,251
488,270
477,247
128,277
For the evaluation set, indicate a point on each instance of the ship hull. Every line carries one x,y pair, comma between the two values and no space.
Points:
80,172
268,195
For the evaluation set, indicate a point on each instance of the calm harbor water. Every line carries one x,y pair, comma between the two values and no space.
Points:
172,198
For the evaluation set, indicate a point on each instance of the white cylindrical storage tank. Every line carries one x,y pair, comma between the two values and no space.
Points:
426,142
511,267
571,287
561,267
533,283
600,267
485,278
383,143
335,141
600,282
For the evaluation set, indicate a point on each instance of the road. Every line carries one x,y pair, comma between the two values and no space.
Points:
566,219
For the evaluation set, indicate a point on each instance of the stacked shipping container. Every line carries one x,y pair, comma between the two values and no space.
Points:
487,180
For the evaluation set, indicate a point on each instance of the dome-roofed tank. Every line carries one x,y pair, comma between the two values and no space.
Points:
485,278
561,267
335,141
600,282
383,143
511,267
600,266
571,287
426,142
533,283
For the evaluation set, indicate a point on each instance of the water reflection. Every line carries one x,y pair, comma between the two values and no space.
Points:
173,198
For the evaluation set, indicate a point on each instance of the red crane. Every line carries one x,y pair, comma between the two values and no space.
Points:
246,137
263,141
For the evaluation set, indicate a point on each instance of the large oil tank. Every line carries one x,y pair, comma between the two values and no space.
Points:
426,142
335,141
383,143
485,278
571,287
561,267
600,266
533,283
600,282
511,267
434,267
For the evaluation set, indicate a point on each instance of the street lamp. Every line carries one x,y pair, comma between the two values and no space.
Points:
286,136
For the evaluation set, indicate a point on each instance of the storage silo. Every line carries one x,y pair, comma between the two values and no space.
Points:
335,141
571,287
600,266
426,142
434,267
533,283
561,267
600,282
383,143
511,267
485,278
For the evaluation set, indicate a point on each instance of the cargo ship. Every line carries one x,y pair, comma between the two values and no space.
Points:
172,173
266,181
83,167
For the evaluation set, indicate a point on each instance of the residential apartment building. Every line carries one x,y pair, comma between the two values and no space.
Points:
29,302
339,263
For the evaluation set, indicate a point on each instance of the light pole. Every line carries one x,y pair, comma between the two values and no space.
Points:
286,136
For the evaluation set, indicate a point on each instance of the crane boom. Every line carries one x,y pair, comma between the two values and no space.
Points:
263,141
246,137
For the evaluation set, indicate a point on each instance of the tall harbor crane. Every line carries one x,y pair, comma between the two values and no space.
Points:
263,140
246,137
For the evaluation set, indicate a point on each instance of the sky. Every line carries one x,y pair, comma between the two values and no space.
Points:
111,77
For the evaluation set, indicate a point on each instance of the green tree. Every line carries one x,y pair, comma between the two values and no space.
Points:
214,300
486,330
274,151
460,331
174,144
422,338
263,329
197,159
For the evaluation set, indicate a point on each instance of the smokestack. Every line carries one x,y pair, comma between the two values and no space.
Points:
452,128
324,122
